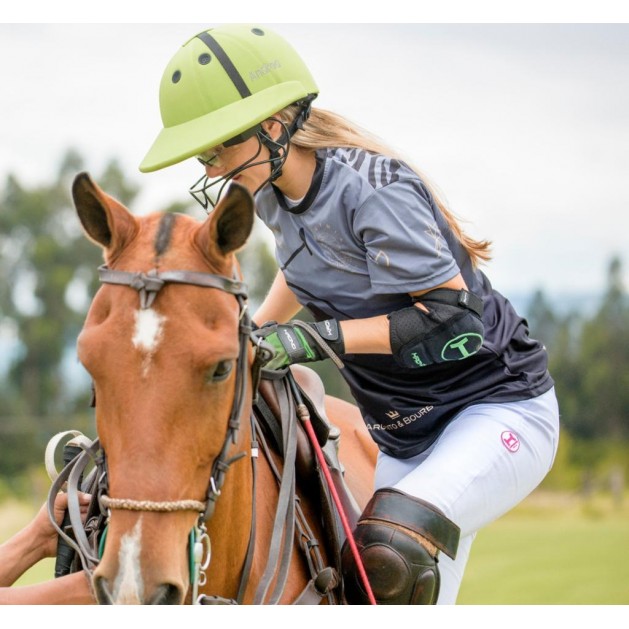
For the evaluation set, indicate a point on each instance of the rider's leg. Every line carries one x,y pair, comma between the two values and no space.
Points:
485,462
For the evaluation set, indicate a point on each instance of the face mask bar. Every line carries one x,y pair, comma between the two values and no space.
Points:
207,191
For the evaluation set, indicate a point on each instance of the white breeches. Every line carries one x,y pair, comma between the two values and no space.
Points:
484,463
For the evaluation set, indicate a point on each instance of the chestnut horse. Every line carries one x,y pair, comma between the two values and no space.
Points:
163,342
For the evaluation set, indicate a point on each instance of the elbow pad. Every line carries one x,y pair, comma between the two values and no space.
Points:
452,329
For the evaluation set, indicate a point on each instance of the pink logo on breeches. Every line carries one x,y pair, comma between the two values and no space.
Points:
510,441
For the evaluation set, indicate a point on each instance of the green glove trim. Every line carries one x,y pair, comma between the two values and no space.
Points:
293,344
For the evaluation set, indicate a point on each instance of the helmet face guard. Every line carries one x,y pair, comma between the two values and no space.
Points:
208,191
221,84
207,197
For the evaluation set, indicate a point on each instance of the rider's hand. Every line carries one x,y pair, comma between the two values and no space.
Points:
44,535
293,343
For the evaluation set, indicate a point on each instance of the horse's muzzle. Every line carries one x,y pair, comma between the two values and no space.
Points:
164,594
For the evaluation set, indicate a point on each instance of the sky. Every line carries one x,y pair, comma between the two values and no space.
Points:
524,128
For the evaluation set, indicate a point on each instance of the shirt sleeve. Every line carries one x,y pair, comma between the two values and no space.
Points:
406,249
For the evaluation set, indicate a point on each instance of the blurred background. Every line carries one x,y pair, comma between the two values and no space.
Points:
523,128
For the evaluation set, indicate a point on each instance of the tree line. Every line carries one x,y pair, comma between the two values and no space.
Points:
48,275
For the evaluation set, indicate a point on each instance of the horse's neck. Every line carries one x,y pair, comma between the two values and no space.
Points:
230,529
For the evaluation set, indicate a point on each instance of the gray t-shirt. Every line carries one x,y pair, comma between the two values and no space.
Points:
366,234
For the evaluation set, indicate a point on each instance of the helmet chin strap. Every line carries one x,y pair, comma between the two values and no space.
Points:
283,142
278,152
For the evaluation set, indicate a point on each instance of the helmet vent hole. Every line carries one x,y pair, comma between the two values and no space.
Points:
257,31
176,76
205,58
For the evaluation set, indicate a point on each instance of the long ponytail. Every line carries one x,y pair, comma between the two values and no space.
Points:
325,129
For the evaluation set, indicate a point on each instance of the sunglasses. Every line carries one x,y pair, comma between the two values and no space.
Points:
212,157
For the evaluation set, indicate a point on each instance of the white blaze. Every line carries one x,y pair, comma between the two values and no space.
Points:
128,586
149,329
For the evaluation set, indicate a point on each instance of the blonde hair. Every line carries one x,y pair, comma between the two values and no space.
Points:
325,129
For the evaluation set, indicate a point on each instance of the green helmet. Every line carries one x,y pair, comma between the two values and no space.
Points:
221,83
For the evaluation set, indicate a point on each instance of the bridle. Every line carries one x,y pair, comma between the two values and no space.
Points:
148,286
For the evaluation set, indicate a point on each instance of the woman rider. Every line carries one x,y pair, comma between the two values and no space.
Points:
451,387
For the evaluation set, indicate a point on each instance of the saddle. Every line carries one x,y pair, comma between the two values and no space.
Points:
270,408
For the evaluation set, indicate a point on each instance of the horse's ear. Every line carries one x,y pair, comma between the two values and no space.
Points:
230,224
105,221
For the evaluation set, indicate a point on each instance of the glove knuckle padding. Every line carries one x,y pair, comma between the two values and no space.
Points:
299,342
399,538
452,329
286,341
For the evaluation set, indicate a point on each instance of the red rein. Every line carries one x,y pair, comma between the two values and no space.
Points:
302,413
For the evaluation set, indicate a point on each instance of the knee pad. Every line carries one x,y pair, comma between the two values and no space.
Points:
399,538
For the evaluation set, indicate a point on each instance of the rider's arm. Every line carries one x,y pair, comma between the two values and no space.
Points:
34,542
72,589
371,336
279,305
295,343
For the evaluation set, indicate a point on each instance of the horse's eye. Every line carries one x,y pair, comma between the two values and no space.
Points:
221,371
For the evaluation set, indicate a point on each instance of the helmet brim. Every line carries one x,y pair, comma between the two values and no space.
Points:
180,142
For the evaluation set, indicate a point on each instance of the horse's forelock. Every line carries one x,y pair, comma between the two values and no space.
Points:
164,233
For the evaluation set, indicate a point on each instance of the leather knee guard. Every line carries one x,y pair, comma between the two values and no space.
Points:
399,538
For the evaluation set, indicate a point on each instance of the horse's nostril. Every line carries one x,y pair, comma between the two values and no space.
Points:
167,594
101,589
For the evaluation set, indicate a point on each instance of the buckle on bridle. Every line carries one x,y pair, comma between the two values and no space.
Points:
147,285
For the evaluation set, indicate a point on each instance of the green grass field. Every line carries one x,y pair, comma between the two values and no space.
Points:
551,550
